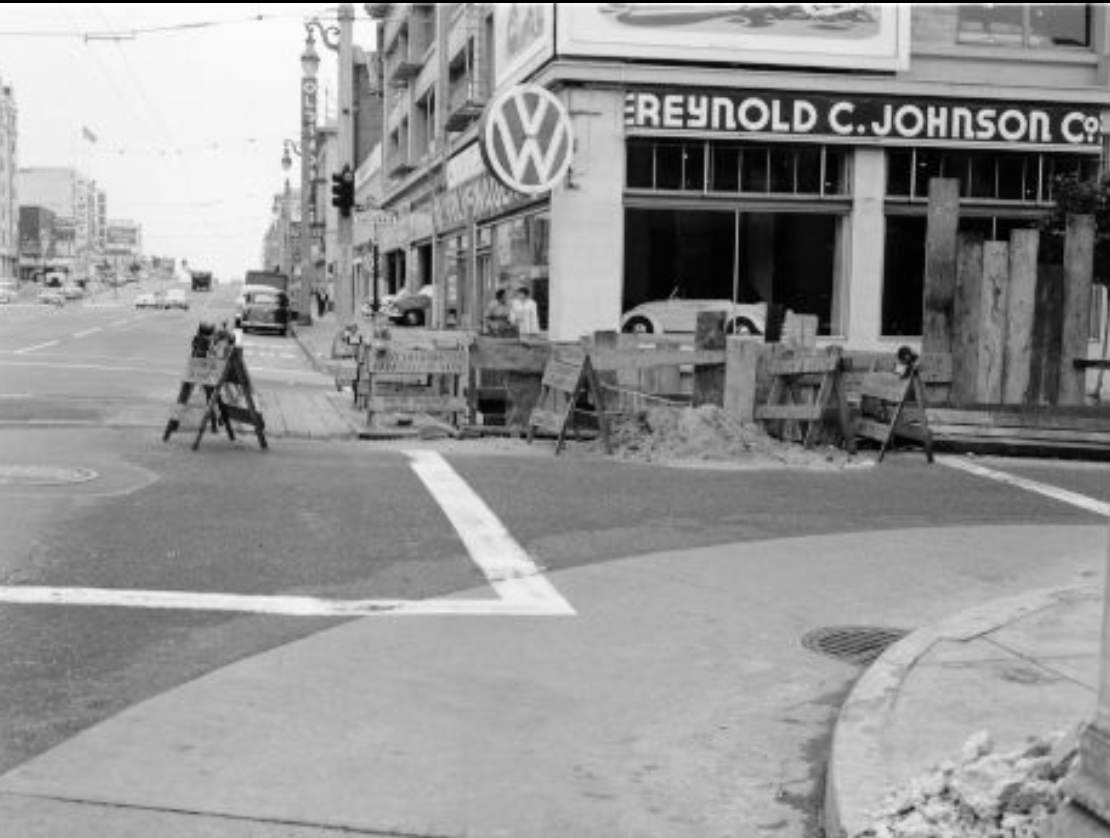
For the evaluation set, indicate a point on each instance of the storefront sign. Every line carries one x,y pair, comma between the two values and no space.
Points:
858,36
863,118
479,198
526,138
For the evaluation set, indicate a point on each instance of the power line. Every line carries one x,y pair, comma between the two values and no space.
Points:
135,32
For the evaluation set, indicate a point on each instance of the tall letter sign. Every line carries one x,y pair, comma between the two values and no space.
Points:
526,139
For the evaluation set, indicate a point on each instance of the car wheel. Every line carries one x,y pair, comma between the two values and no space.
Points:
742,326
413,318
638,326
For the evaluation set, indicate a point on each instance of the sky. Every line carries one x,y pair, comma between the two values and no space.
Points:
189,124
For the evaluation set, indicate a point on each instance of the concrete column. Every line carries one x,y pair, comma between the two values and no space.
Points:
586,256
863,280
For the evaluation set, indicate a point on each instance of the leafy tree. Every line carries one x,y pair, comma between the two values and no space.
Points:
1079,197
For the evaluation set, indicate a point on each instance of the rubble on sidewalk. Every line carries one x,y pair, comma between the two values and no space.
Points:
667,434
984,795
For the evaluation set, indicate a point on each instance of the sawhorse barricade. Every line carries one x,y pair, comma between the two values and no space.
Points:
565,381
807,398
441,392
228,395
893,404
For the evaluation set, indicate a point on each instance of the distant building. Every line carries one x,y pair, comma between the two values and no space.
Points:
123,243
9,201
38,241
79,206
280,239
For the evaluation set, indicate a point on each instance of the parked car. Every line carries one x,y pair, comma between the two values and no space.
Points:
52,296
9,291
407,308
151,299
175,298
72,292
681,316
263,308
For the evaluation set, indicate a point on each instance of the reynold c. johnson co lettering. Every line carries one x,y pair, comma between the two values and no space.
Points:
864,118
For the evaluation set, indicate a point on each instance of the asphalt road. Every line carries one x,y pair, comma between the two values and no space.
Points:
353,521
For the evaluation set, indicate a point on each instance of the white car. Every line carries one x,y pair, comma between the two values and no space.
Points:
681,316
9,291
150,299
175,298
52,296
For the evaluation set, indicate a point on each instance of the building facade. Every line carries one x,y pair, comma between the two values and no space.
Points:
780,154
9,190
80,211
123,244
279,242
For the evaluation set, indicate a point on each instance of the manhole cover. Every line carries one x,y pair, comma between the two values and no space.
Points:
44,475
855,644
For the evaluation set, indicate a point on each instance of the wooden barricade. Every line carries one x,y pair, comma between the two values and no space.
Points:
440,373
806,398
566,381
506,373
228,396
886,411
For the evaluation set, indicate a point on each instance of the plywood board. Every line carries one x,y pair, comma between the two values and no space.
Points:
965,319
1020,309
940,264
993,309
1078,268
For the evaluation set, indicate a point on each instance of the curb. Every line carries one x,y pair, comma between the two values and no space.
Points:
309,353
855,769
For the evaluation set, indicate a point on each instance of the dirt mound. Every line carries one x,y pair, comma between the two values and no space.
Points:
984,794
706,434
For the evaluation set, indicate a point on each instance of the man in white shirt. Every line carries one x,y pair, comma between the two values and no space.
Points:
523,313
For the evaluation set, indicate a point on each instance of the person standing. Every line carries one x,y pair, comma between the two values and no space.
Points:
497,316
524,314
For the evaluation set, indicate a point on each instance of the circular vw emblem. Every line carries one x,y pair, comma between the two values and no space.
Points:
526,139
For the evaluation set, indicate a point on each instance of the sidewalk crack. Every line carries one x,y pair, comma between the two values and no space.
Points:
288,822
1029,659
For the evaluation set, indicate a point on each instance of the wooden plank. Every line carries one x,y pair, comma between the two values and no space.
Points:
993,309
966,318
509,354
1043,434
709,379
942,218
562,377
793,412
406,403
417,362
741,360
809,365
547,420
1079,245
885,386
1048,320
642,359
1014,419
203,371
870,429
1020,310
933,368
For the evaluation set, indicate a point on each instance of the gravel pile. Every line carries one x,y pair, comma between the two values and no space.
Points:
707,433
984,795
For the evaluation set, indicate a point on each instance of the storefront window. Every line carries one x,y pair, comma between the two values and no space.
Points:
785,258
1031,25
696,166
521,259
1002,176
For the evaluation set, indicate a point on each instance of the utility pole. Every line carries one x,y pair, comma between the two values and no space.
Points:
344,292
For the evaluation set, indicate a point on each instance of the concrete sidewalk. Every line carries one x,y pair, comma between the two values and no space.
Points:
1016,668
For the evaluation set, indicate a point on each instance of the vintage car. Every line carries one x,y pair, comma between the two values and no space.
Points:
407,308
681,316
151,299
52,296
175,298
263,308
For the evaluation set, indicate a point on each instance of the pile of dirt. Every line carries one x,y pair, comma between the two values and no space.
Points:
984,795
682,434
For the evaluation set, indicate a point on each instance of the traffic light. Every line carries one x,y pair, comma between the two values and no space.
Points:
343,190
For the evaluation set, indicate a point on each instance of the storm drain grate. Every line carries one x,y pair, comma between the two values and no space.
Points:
860,645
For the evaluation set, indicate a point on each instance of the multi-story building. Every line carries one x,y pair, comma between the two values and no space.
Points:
123,244
279,242
778,154
76,203
9,190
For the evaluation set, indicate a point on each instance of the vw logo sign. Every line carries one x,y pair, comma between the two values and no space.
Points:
526,139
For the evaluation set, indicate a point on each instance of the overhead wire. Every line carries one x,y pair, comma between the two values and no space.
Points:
131,33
